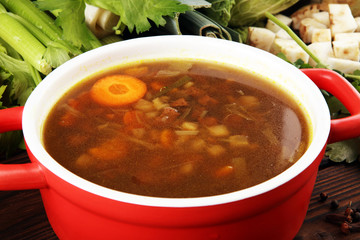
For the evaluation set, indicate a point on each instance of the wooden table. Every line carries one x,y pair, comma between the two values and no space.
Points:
22,214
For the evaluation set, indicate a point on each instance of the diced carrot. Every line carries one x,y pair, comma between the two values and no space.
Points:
118,90
224,171
133,119
208,121
156,85
110,150
167,138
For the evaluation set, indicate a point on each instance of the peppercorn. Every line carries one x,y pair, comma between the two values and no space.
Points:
323,197
356,217
334,204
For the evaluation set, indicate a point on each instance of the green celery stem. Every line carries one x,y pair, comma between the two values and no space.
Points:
18,37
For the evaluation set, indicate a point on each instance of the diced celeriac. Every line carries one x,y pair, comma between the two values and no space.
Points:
307,27
290,49
346,50
261,38
323,50
357,20
341,19
343,65
304,12
282,34
321,35
322,17
275,28
348,37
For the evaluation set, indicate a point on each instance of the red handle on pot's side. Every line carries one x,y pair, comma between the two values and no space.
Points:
18,176
344,128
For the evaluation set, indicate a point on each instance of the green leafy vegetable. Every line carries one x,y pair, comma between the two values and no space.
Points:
220,10
71,18
246,12
136,14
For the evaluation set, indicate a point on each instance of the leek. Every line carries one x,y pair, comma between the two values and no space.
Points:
29,47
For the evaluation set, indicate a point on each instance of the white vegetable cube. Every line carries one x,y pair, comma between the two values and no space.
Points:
343,65
302,13
282,34
274,27
307,27
341,19
321,35
261,38
322,17
346,50
323,50
357,20
290,49
348,37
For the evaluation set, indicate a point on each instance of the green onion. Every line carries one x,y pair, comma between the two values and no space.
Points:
29,47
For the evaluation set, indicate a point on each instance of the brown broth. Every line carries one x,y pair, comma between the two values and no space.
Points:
212,135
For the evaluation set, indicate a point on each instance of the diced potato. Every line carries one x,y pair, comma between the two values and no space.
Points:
248,101
238,141
159,104
321,35
322,17
343,65
323,50
144,105
304,12
187,168
216,150
219,131
198,145
260,38
189,126
290,49
274,27
341,19
282,34
346,50
307,26
348,37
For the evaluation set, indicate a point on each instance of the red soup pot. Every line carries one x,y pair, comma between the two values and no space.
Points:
275,209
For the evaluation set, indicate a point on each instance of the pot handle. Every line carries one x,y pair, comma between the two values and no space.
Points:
328,80
18,176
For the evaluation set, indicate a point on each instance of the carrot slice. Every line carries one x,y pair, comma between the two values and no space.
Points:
117,90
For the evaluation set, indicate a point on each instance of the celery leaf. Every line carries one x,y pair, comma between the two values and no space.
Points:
136,14
71,18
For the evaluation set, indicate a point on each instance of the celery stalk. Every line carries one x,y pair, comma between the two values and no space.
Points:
18,37
27,10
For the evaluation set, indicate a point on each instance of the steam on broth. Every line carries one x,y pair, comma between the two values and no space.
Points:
188,129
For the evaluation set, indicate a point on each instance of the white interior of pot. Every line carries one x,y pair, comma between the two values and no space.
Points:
176,47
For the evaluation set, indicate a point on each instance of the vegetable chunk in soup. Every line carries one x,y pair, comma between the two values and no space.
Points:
176,129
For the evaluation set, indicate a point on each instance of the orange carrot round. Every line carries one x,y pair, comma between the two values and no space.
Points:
117,90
